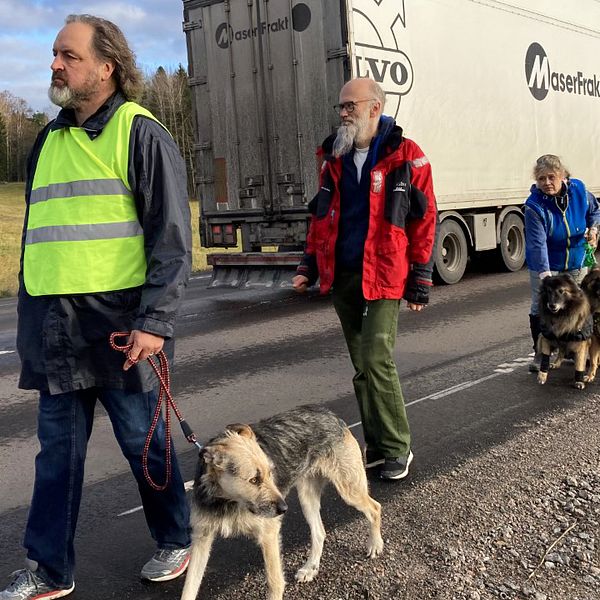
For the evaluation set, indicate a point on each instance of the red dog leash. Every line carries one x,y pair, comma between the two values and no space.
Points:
162,372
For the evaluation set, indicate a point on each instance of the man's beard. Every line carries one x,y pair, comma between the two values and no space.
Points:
67,97
347,134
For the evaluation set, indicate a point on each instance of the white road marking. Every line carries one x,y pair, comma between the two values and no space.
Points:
501,369
453,390
7,351
200,277
435,396
187,485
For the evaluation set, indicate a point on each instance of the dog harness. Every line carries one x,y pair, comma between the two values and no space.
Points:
585,333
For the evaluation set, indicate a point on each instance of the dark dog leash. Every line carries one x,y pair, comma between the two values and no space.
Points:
162,373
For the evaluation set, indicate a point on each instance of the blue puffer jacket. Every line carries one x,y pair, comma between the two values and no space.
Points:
555,239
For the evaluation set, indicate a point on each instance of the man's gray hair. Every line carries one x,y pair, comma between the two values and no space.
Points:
109,43
377,92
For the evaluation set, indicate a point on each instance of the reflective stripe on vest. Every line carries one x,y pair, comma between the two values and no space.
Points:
83,234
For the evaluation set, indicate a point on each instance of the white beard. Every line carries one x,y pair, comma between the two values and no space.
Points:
344,140
348,133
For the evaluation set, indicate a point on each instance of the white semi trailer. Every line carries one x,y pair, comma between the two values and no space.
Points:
483,86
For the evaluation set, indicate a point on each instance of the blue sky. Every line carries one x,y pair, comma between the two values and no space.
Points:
28,29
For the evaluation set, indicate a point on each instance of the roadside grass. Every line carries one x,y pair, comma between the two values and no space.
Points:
12,210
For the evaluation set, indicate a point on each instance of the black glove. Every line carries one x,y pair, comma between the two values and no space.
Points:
418,284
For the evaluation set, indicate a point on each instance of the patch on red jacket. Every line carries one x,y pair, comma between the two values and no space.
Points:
376,181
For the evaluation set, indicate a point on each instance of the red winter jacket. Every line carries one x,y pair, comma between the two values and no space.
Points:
398,249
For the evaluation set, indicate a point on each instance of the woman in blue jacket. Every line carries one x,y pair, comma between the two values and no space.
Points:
560,216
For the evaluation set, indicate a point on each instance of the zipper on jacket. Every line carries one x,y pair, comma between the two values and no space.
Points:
564,214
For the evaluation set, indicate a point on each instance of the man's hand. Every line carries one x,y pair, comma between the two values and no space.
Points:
144,345
415,307
592,236
300,283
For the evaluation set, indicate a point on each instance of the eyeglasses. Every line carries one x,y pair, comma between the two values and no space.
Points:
350,106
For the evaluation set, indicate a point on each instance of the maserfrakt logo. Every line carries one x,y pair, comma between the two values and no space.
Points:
541,78
225,35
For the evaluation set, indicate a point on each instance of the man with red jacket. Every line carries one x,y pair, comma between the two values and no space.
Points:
370,240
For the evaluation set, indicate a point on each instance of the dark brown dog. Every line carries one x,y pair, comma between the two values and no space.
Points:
566,324
591,287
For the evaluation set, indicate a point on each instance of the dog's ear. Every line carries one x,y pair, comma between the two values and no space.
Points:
241,429
213,455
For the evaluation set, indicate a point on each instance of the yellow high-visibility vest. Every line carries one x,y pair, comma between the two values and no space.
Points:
83,233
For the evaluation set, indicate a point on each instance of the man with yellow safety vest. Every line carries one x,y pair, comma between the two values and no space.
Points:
106,247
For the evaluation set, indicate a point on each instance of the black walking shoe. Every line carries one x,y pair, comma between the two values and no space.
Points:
373,458
396,468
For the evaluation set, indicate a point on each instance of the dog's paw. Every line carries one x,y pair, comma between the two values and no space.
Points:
579,385
555,365
541,378
375,548
589,378
307,573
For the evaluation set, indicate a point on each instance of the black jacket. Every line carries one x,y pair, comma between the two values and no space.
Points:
63,341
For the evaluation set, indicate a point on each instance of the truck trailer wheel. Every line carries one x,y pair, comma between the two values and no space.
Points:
451,252
511,253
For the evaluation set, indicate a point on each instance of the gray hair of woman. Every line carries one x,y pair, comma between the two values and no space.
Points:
109,44
550,163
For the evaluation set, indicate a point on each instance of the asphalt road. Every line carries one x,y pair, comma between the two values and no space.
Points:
243,355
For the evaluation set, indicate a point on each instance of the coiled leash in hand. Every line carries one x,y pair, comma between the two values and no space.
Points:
162,373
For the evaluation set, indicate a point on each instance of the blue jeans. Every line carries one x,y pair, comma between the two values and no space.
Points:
64,428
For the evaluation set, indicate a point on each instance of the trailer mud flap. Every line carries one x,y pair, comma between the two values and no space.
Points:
252,277
269,270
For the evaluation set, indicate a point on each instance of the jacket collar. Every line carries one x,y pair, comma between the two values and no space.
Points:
95,124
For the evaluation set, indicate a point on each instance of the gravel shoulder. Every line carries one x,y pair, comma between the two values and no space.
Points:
520,521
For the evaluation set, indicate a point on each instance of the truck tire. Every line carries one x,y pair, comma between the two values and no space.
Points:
511,253
451,252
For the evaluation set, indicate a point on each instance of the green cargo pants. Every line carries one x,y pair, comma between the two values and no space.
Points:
370,331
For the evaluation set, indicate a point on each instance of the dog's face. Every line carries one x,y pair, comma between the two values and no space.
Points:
241,472
591,286
558,292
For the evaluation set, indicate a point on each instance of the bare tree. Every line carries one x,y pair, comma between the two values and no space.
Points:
20,128
3,150
167,96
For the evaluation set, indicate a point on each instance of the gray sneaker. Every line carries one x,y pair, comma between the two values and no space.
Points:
396,468
29,585
166,564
